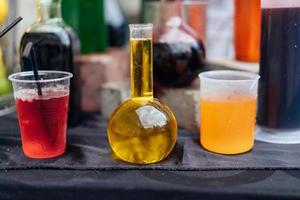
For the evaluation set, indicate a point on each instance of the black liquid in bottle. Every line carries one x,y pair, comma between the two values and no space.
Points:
55,51
55,46
279,86
177,64
178,51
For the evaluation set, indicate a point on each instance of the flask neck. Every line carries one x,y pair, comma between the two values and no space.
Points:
141,61
48,9
141,68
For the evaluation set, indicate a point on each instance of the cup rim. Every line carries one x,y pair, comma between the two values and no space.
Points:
245,76
12,77
141,26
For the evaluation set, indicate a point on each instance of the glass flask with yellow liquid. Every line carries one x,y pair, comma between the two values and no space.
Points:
142,130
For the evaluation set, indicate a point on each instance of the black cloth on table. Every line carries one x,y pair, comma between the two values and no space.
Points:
88,171
88,149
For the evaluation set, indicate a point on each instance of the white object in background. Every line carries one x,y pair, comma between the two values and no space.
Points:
131,8
219,29
280,4
115,18
26,9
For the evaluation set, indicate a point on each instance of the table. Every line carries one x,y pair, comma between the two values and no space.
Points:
145,184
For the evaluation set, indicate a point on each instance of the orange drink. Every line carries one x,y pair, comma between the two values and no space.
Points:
228,111
228,123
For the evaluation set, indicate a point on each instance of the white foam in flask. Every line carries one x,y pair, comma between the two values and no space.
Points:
280,4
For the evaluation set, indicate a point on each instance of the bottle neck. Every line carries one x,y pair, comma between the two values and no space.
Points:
48,9
141,68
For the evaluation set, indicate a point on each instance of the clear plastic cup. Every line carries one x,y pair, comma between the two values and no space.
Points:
228,111
42,118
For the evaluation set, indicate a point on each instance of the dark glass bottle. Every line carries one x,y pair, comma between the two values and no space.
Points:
178,52
279,91
55,46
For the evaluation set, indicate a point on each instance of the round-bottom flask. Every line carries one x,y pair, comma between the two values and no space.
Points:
142,131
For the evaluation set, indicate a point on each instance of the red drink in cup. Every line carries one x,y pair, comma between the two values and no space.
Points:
43,122
42,119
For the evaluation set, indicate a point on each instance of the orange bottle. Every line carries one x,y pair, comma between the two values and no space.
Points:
247,30
196,16
227,123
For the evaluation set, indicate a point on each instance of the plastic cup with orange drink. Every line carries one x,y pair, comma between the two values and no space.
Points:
228,111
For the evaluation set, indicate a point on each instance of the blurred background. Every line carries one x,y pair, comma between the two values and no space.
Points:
217,21
189,36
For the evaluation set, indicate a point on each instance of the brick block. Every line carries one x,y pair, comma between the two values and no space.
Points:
98,69
112,95
184,102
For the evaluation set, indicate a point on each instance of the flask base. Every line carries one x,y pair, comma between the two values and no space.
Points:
142,131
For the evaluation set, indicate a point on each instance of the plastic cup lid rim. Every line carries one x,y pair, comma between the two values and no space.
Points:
13,78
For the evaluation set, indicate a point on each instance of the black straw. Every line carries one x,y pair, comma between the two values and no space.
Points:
29,51
10,26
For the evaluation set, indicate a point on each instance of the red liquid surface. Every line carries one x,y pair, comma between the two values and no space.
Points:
43,122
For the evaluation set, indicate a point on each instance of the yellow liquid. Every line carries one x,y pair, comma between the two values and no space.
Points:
5,86
141,68
142,130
